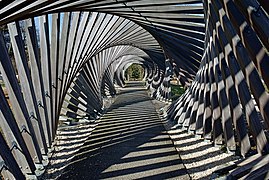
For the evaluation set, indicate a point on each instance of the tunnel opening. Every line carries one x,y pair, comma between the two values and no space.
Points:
135,72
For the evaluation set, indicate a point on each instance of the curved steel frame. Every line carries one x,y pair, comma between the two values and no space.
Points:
62,58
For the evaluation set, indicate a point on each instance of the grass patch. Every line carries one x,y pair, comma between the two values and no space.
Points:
176,91
2,84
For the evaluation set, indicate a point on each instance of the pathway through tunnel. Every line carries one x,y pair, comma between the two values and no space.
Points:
130,142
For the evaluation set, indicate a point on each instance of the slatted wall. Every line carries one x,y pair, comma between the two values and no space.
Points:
62,58
227,102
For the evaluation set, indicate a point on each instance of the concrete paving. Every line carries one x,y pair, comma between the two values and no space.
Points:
130,142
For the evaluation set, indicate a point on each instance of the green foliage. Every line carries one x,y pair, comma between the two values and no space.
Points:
135,72
176,91
3,28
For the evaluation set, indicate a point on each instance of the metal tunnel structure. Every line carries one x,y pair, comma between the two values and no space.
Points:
63,57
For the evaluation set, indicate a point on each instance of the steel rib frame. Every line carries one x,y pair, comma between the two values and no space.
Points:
218,57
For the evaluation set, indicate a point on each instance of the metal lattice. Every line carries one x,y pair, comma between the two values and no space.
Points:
62,58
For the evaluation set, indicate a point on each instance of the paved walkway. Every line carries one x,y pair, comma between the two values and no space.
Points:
130,142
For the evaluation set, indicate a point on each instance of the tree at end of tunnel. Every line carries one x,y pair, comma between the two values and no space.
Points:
135,73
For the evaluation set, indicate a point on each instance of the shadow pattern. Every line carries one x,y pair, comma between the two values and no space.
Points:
127,145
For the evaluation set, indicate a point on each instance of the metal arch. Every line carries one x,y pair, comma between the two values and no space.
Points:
228,91
101,67
66,43
183,20
218,48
